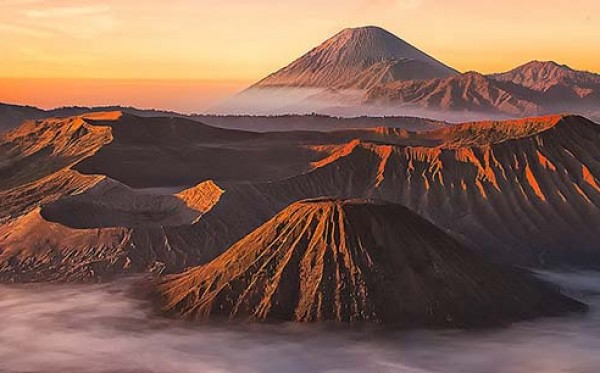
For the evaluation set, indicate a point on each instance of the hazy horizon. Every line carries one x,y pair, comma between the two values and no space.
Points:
182,96
198,52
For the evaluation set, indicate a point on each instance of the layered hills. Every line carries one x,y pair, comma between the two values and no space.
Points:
369,71
470,93
545,76
535,88
356,261
524,191
12,116
348,97
91,196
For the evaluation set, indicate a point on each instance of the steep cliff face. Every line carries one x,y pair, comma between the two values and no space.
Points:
521,192
41,148
36,161
356,261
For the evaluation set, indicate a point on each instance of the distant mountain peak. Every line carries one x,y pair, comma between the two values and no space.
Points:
469,92
371,52
536,63
368,28
385,39
546,68
544,75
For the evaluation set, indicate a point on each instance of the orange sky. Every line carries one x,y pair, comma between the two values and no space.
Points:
210,48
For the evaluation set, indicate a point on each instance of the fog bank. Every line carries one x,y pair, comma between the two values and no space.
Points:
100,328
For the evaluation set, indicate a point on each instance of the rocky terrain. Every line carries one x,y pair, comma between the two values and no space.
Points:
356,261
523,191
536,88
88,197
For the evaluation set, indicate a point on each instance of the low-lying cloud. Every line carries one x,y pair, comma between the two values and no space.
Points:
340,103
100,328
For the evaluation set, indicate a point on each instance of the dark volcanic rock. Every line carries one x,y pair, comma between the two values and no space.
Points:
357,261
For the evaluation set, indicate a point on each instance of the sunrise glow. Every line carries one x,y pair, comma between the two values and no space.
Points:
224,45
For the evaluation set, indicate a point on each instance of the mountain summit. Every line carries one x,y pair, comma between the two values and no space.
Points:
337,73
368,71
356,261
358,58
542,76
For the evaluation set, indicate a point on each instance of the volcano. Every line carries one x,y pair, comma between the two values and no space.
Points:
523,192
90,196
358,58
87,197
337,72
356,261
369,71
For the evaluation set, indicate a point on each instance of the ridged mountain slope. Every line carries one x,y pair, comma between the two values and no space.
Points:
523,191
357,58
470,92
68,211
543,76
356,261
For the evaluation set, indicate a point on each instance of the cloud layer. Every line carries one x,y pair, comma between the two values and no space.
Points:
101,329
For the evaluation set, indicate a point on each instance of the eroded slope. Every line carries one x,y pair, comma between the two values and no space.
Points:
525,192
522,192
356,261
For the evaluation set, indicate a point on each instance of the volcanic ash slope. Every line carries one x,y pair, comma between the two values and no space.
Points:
356,261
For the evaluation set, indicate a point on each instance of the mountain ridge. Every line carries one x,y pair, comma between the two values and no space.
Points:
369,71
470,91
474,189
355,261
521,192
543,75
